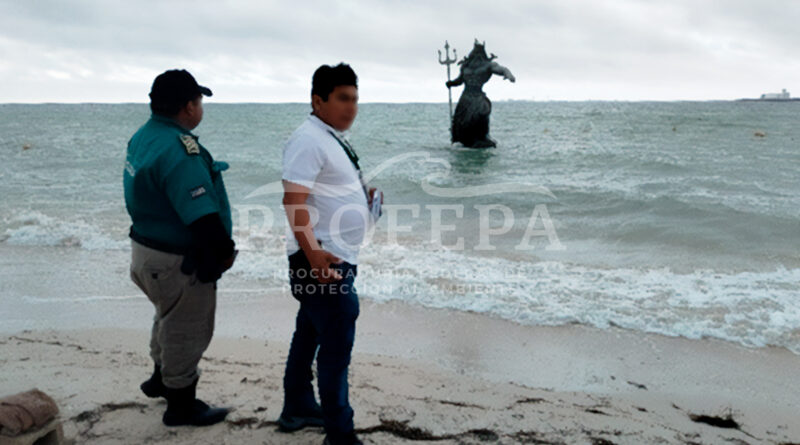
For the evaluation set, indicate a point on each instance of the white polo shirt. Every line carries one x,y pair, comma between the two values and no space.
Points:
340,217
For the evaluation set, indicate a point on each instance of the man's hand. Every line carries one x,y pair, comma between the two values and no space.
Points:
213,251
321,270
227,264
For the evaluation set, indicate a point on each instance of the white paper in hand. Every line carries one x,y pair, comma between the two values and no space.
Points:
375,208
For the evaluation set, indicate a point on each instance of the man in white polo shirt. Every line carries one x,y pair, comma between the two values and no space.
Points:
327,206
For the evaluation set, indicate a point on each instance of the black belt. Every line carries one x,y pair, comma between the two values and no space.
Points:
157,245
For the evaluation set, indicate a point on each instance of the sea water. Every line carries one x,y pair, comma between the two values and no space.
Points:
678,218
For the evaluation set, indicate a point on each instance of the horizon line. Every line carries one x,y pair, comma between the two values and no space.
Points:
745,99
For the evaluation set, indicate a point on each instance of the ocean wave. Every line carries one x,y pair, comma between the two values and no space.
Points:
676,220
32,228
750,308
83,299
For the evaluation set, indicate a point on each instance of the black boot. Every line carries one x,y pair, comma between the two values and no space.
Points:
154,388
342,439
183,408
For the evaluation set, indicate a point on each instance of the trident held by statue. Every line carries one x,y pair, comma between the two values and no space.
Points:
448,61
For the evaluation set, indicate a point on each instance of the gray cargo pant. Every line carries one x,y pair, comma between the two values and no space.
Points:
184,320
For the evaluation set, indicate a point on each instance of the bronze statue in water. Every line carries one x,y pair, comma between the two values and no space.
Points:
470,124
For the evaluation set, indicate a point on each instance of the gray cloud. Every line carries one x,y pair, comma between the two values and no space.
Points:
266,51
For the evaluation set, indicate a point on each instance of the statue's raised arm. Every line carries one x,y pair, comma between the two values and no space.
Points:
470,124
503,71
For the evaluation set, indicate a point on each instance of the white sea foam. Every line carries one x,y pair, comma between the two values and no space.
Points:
82,299
751,308
37,229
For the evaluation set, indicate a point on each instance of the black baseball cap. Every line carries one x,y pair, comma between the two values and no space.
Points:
176,86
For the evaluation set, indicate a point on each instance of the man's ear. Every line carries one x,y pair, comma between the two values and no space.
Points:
186,110
191,107
316,102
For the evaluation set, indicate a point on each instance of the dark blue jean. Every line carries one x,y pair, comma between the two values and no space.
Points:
326,321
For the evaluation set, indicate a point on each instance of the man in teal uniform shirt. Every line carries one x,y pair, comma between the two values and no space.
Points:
181,241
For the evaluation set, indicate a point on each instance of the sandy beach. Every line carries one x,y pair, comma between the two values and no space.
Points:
418,374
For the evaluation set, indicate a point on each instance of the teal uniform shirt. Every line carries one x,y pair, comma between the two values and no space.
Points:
170,181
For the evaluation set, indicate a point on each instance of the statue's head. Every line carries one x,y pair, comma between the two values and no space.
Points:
478,51
477,55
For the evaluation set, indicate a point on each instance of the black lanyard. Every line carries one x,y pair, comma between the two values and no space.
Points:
351,154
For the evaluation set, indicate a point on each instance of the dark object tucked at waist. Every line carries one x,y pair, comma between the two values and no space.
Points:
157,245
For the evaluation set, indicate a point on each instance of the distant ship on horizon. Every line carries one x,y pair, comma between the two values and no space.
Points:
783,96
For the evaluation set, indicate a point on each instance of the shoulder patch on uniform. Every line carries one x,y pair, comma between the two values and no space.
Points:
197,192
129,168
190,144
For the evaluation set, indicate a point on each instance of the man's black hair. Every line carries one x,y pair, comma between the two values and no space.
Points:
169,107
327,78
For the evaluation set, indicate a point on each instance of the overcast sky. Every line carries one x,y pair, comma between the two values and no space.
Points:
266,51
